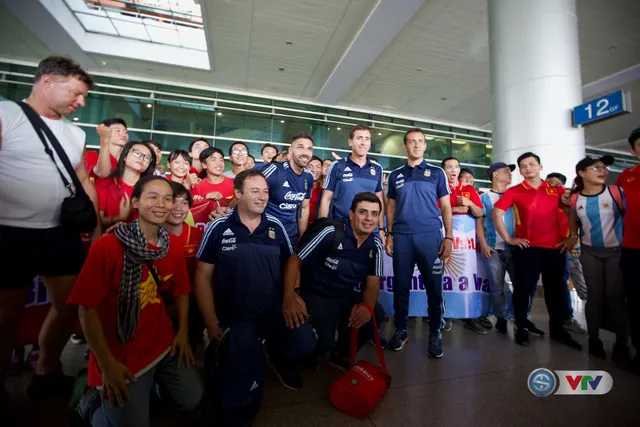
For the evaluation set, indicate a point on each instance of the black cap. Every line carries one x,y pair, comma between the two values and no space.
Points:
590,161
497,166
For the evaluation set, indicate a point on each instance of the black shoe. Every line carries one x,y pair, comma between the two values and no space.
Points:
475,326
341,363
50,384
6,413
562,336
531,327
620,354
287,375
501,325
485,322
522,337
596,348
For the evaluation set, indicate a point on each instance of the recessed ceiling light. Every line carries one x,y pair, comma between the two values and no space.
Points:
149,70
104,63
281,121
443,99
280,68
289,42
457,141
419,69
219,113
338,129
149,105
613,47
379,133
75,119
328,128
274,87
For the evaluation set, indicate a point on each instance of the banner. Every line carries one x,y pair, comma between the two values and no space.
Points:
465,282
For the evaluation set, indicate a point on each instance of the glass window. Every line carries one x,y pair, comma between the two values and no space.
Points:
297,106
468,152
186,118
14,92
185,91
285,128
244,98
94,140
443,128
174,142
135,111
122,82
243,125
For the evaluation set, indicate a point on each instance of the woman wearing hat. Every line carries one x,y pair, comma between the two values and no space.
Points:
597,210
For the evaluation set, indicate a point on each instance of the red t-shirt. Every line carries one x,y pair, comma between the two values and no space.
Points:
467,191
194,170
629,180
111,191
97,287
91,160
316,191
536,213
225,188
190,241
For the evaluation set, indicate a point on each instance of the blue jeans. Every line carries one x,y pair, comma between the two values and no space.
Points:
184,385
499,264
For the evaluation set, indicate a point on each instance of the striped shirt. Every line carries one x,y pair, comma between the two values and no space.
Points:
493,238
600,220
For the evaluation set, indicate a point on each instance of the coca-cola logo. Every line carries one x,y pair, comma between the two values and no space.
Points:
296,197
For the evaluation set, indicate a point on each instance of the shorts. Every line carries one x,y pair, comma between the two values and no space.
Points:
28,252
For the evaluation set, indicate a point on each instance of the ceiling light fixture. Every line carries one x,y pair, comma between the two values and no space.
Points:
289,42
443,99
104,63
338,128
149,105
428,138
280,68
219,113
75,119
379,133
281,121
457,141
490,146
419,69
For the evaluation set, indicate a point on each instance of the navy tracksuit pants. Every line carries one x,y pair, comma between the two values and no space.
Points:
421,249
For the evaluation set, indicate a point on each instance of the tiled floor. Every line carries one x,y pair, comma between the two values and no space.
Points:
480,381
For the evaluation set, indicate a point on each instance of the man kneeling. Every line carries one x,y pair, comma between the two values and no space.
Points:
330,271
132,340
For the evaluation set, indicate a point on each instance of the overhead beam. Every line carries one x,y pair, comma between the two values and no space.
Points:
382,25
611,82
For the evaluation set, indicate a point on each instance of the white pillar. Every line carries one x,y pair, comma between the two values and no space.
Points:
535,78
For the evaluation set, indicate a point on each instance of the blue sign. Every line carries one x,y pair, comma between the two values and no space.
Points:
604,107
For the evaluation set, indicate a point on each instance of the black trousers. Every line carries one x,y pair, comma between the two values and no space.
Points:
529,263
629,263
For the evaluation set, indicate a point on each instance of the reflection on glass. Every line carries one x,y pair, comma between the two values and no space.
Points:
185,118
242,126
468,152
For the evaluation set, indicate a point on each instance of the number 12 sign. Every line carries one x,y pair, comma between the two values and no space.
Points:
601,108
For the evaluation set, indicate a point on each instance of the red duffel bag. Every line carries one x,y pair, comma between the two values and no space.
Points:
361,388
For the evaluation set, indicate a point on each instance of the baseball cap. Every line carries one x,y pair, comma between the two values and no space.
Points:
590,161
497,166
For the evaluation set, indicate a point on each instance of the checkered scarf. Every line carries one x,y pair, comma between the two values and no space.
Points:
135,254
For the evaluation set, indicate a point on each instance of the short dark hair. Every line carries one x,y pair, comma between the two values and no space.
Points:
196,140
114,121
179,153
411,131
155,144
315,158
352,133
208,152
238,143
253,158
527,155
179,190
269,146
64,67
635,135
118,172
138,188
302,135
561,177
447,159
365,196
329,160
238,181
466,170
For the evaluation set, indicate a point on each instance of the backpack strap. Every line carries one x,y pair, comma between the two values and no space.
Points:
616,194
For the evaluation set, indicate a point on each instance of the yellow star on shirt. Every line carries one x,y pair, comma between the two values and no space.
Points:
149,290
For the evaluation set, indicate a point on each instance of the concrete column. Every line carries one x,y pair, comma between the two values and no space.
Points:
535,78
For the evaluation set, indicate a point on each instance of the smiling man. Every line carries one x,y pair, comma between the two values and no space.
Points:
347,177
238,154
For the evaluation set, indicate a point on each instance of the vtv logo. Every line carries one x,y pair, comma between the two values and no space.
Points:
584,382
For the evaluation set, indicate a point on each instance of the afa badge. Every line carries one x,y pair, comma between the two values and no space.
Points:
427,173
373,171
272,234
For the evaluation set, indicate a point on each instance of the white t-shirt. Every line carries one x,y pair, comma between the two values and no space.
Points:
31,190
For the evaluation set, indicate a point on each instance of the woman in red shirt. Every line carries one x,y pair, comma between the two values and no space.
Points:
179,165
114,192
315,167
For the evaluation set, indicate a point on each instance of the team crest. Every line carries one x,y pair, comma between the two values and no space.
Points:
373,171
427,173
272,234
467,195
553,191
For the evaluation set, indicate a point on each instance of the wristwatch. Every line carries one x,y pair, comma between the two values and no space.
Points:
573,236
387,232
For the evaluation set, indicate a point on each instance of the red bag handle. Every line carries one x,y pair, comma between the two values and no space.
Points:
354,340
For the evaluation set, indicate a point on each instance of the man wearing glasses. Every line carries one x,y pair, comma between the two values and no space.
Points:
238,153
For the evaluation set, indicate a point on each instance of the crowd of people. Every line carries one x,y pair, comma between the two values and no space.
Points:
293,245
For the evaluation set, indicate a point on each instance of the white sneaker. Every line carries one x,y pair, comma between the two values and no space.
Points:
574,326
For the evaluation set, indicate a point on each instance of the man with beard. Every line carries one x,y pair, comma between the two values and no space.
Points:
347,177
113,136
290,185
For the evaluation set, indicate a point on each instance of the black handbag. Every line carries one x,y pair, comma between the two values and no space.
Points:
77,212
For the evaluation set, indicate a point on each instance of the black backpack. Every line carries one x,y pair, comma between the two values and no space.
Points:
315,228
234,375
